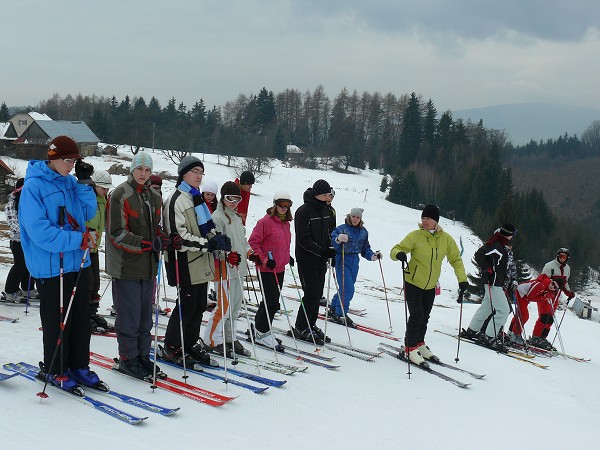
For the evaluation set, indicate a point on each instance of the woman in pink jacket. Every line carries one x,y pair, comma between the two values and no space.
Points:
270,240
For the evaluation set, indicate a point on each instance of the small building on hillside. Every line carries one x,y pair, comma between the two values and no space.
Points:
23,120
40,132
7,131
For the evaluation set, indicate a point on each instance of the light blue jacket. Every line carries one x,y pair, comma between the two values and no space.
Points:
42,238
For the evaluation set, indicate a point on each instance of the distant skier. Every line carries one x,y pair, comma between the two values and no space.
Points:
350,240
428,246
492,259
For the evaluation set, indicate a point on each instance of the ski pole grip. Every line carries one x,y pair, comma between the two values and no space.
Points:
62,214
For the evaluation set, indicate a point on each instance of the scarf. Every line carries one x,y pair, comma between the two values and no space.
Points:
205,222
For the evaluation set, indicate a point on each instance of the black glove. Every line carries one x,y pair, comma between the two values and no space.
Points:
463,285
234,259
401,256
83,172
176,241
330,252
255,259
219,242
292,261
271,264
197,197
161,243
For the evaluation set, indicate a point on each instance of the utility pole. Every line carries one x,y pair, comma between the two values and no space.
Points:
153,129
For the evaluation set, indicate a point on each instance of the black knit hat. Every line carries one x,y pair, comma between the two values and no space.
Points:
247,178
230,188
321,187
188,163
507,229
432,212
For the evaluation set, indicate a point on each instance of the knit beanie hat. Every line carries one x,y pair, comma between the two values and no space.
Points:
321,187
230,188
356,212
209,186
141,159
247,178
155,180
432,212
188,163
507,229
62,147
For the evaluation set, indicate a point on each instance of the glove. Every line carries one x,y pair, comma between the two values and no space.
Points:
271,264
463,285
90,239
234,259
376,256
146,246
255,259
514,285
292,261
83,172
330,252
197,197
401,256
161,243
219,242
342,238
176,241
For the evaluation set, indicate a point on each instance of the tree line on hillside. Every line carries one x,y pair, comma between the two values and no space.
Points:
424,157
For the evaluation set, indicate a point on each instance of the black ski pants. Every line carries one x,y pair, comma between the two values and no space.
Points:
18,276
420,303
312,279
193,304
271,285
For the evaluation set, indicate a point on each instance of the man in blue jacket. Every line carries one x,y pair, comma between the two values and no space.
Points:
53,210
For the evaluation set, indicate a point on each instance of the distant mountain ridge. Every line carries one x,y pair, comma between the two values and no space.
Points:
526,121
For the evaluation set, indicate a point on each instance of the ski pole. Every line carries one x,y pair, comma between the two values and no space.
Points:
156,295
560,341
520,320
221,307
559,324
264,304
327,301
335,282
185,375
461,293
63,323
385,293
404,265
28,293
62,215
287,316
250,331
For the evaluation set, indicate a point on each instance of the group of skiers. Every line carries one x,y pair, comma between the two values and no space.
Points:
201,238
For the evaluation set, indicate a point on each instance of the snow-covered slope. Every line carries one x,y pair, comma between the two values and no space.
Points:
362,404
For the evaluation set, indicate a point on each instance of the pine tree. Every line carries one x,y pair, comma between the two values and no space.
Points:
4,113
279,147
384,183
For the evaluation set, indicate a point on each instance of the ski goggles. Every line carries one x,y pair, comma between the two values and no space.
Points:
284,203
233,198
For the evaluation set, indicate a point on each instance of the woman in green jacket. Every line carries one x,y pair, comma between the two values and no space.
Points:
428,246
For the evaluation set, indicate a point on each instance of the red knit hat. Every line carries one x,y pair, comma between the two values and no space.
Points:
63,147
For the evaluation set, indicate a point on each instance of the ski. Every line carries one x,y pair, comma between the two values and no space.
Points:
439,363
8,319
168,384
126,398
443,376
271,366
86,399
286,348
549,353
352,348
510,354
7,376
202,372
365,329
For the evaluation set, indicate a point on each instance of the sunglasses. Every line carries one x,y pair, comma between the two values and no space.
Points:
284,203
70,160
233,198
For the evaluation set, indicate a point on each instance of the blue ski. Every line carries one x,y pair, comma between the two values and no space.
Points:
86,399
6,376
125,398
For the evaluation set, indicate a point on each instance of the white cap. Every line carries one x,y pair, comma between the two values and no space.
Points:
209,186
102,178
281,195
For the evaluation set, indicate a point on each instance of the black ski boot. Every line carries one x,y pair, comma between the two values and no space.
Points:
201,356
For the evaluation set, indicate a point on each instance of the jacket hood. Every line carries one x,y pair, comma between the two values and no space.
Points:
309,198
40,169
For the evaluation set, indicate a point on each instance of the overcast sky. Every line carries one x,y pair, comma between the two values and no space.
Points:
459,53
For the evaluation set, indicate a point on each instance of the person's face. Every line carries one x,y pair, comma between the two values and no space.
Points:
209,196
246,187
141,174
101,191
355,220
553,286
428,223
232,201
562,257
282,206
194,177
62,166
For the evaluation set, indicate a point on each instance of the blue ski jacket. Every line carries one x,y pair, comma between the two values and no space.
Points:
42,238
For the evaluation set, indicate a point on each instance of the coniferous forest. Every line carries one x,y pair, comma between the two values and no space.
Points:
423,155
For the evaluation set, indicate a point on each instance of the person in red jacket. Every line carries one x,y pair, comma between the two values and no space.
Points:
543,291
245,182
270,240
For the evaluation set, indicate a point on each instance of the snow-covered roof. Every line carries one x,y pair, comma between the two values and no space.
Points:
4,126
76,129
39,116
293,149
